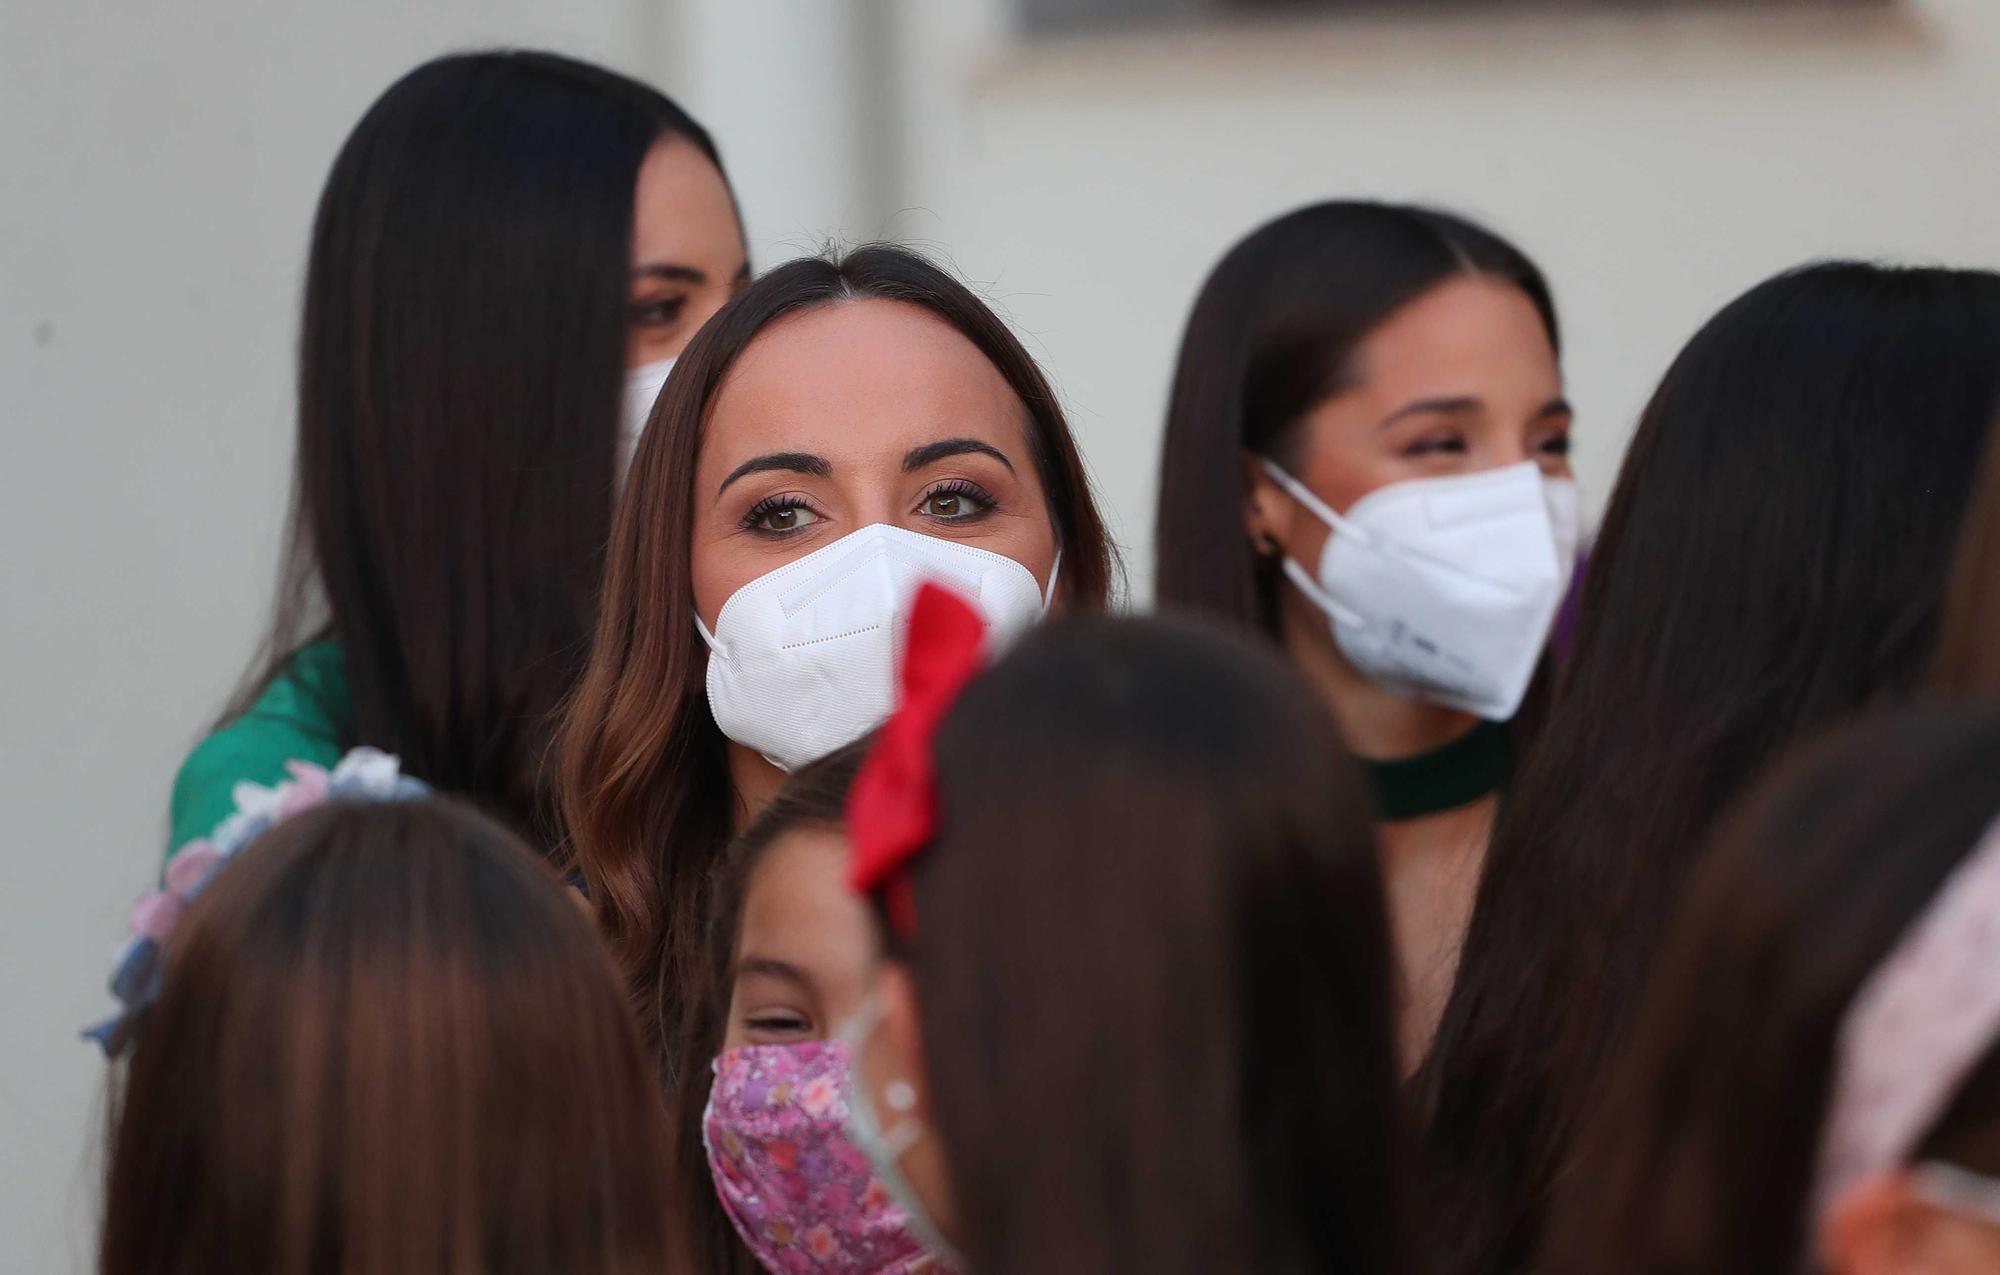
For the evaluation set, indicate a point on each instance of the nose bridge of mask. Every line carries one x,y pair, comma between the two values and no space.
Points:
866,558
895,565
1508,506
1472,504
1480,497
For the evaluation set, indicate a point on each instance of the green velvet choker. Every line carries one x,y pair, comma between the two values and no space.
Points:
1474,765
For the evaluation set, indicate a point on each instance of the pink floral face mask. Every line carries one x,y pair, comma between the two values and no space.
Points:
800,1193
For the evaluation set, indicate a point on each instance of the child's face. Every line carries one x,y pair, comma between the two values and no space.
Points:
805,947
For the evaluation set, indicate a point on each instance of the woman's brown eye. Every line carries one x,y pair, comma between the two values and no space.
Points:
783,518
946,504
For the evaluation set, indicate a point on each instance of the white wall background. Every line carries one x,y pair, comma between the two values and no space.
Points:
1654,165
159,163
158,169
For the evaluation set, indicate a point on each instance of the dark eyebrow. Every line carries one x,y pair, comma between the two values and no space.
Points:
669,270
1555,407
771,967
931,453
789,462
1461,403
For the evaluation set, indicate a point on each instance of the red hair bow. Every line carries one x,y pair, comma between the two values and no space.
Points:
892,813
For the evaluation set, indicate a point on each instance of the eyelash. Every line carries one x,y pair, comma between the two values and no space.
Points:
982,501
966,489
658,311
773,505
1435,446
1558,445
778,1023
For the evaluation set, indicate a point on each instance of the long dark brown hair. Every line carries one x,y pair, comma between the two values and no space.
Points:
387,1040
645,780
1702,1156
1773,558
814,796
461,364
1969,649
1274,333
1152,962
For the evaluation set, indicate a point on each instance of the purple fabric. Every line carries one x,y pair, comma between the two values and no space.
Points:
1565,629
800,1193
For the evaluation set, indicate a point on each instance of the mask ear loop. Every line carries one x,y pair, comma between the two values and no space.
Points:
899,1095
889,1144
706,636
1295,571
1314,505
1315,593
715,649
1055,574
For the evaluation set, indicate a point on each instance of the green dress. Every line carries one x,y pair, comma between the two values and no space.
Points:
303,715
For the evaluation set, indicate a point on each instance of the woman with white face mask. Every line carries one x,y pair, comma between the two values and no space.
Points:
509,244
1367,459
843,431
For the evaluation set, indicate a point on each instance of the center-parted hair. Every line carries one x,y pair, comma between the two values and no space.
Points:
1153,966
645,779
387,1041
1275,332
1772,560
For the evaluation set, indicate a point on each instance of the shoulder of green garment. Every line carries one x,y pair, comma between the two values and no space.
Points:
303,714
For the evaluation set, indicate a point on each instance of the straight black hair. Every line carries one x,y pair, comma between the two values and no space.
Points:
1969,648
1152,962
1703,1154
461,364
1773,559
1275,332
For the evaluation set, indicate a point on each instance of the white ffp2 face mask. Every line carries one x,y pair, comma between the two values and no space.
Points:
1445,588
642,390
803,659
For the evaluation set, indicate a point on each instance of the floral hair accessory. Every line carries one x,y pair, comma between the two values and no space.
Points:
1916,1029
364,774
892,814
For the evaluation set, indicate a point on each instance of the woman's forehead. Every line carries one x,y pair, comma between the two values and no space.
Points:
859,380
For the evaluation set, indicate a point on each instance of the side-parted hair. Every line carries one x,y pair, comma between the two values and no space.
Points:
1702,1156
1153,968
1969,649
645,780
461,366
1275,332
813,797
1772,560
387,1040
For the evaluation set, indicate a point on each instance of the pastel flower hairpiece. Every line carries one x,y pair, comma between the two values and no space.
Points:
364,774
892,812
1915,1030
